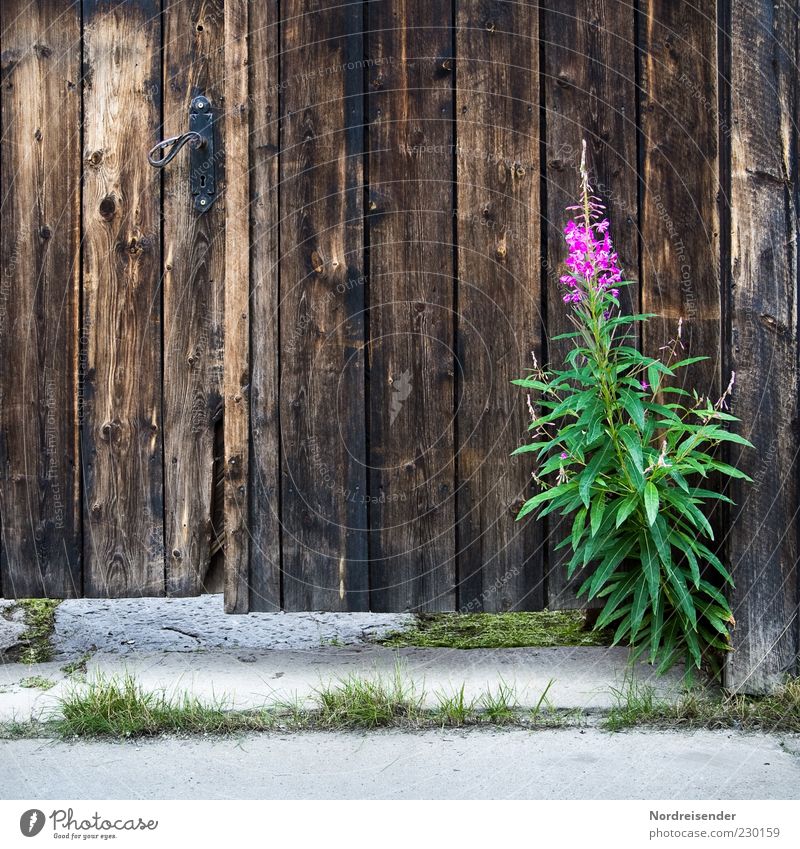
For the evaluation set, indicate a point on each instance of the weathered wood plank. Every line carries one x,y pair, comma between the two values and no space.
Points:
265,530
590,93
499,320
39,299
411,306
680,183
322,307
121,431
764,264
194,273
236,128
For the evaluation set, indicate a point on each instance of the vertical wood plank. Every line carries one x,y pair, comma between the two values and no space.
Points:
39,299
194,272
499,320
411,305
680,183
590,93
122,432
764,205
237,307
322,307
265,555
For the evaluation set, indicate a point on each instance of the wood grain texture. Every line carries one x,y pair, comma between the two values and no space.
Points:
121,433
499,320
680,183
236,128
764,264
39,300
194,273
590,93
265,540
322,307
411,306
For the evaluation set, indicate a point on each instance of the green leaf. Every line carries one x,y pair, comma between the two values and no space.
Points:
625,509
633,406
651,502
578,527
651,564
679,479
598,508
639,606
604,571
689,361
532,503
633,444
589,474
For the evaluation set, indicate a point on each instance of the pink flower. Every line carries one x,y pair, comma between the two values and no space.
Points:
644,384
592,263
564,455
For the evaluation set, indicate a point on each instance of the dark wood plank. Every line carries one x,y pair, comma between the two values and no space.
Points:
499,320
265,532
122,428
194,273
39,300
680,183
764,198
590,93
236,128
411,306
322,307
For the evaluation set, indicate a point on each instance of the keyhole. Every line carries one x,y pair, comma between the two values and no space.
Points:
202,181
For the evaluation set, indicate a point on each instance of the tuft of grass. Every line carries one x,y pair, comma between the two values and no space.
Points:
637,704
541,629
37,682
368,702
120,707
454,709
40,617
500,706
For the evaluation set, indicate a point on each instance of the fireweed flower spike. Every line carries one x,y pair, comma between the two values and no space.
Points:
619,454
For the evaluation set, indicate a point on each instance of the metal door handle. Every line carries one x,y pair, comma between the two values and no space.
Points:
176,143
202,162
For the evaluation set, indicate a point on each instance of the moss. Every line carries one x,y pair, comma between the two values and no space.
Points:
498,630
77,667
37,682
40,617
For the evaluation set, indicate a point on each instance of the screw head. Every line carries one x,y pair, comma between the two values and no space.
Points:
203,201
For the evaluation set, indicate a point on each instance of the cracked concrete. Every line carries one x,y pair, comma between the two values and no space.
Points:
133,626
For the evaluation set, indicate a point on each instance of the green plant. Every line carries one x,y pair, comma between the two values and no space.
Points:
368,702
628,457
455,709
501,705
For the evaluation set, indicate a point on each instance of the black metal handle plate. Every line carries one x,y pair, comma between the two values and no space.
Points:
202,162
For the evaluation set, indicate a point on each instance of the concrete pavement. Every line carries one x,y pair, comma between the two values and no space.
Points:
470,764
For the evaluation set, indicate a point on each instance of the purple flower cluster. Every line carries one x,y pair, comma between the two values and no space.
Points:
591,261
